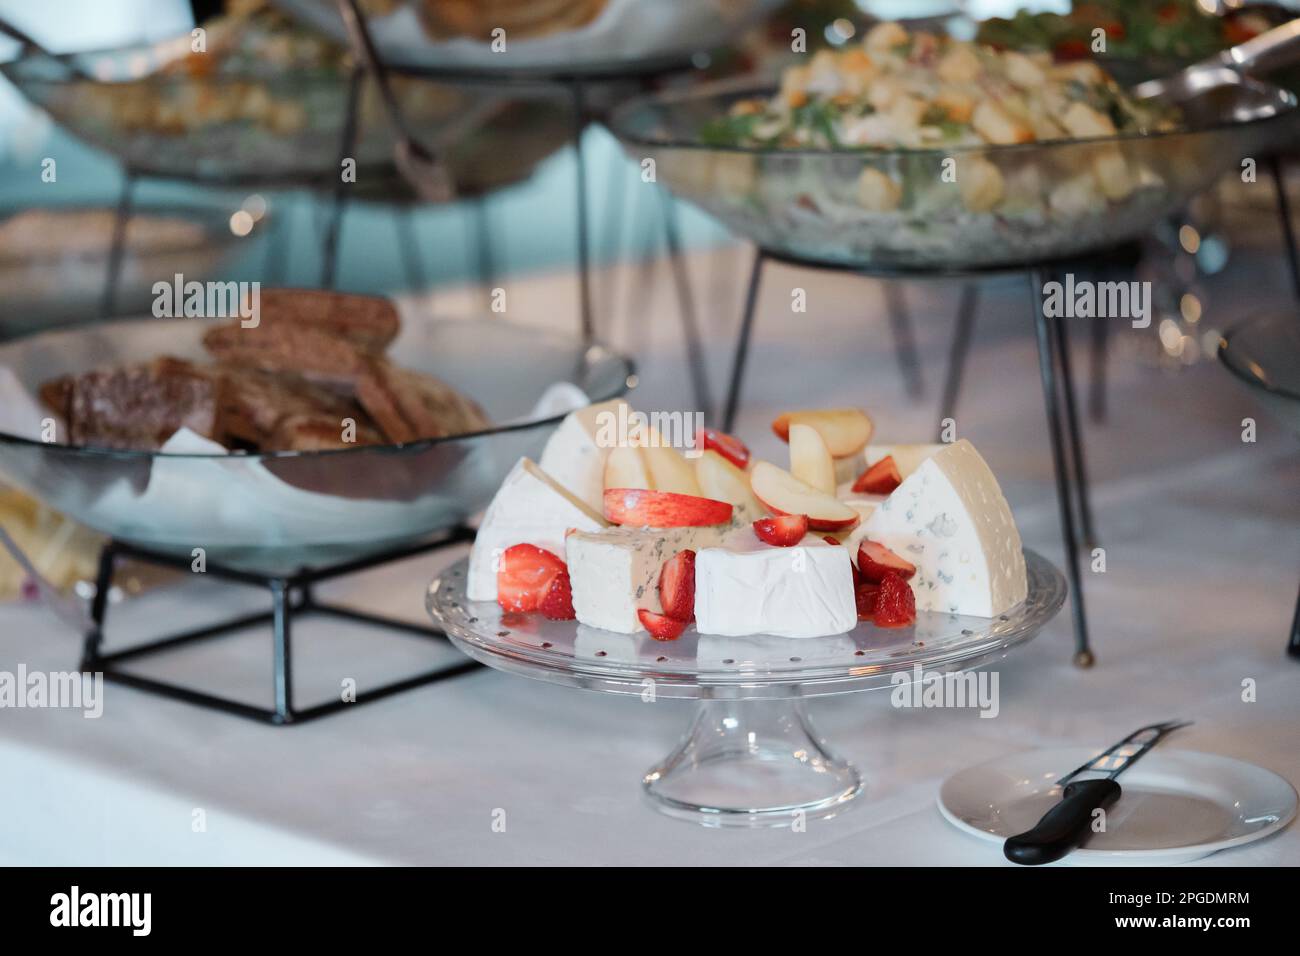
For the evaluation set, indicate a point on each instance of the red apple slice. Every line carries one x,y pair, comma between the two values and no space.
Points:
810,459
784,494
846,431
625,468
728,446
662,509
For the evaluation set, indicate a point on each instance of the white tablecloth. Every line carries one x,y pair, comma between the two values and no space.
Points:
1200,532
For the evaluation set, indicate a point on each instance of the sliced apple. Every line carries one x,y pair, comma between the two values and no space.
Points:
641,508
810,459
728,446
784,494
721,480
625,468
846,431
669,469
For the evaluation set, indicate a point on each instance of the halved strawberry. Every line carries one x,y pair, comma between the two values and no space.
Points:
525,575
728,446
677,586
875,560
661,626
879,479
557,602
784,531
865,596
895,604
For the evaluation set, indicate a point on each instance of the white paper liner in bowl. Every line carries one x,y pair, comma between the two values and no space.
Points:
241,500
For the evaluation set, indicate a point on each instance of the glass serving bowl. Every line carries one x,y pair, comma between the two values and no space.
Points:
261,126
280,511
625,38
1264,353
54,260
1056,201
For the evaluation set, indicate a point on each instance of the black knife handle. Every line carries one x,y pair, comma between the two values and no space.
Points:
1063,827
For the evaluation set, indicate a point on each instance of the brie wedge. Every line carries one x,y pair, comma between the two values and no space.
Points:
615,572
949,518
749,587
530,507
575,454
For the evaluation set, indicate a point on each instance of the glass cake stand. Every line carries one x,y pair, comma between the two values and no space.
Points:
751,757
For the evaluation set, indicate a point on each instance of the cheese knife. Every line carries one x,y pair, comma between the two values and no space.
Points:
1067,825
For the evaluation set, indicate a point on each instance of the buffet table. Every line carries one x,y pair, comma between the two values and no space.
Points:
1199,528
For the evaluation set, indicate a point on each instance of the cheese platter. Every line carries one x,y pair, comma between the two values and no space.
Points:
706,573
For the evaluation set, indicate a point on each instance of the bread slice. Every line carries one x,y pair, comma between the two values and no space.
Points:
135,406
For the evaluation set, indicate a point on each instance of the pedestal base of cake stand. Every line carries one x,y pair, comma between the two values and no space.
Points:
751,763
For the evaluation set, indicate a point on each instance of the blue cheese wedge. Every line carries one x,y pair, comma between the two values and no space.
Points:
749,587
530,507
575,453
615,572
949,518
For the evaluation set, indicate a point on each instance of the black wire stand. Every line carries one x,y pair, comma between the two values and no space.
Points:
579,85
1072,487
329,185
292,596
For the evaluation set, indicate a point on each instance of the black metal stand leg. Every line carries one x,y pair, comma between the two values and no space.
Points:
961,337
645,261
742,343
347,150
580,173
99,607
1073,432
117,246
686,309
1284,220
1043,328
282,658
1293,646
410,249
900,323
1098,356
485,265
615,216
277,239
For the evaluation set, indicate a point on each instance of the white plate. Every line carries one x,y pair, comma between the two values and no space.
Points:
1176,805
